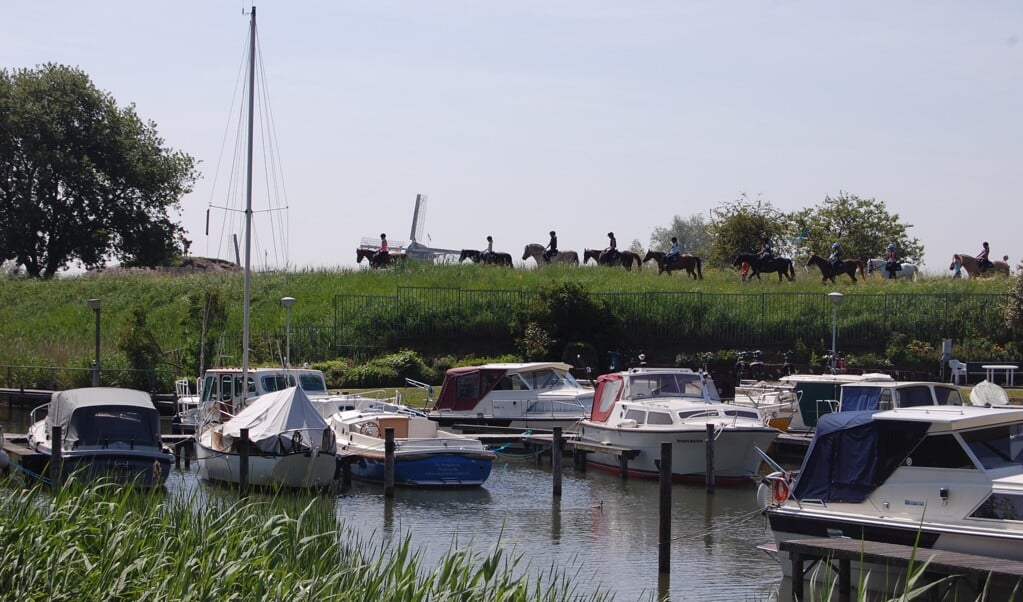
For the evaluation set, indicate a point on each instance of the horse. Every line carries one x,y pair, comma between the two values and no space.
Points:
906,270
375,262
601,257
502,259
782,265
828,271
535,250
687,262
972,266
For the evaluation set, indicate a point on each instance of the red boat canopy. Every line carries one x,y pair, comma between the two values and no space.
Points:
463,388
609,390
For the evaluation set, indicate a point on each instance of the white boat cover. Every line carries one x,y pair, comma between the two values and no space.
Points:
64,403
987,393
282,419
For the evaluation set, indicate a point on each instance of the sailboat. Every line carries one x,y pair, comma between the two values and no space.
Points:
289,444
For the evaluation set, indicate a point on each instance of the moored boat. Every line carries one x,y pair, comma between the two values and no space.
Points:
641,407
105,432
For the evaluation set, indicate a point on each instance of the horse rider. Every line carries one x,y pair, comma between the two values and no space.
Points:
766,254
381,256
891,264
835,259
673,253
983,259
488,255
552,248
611,252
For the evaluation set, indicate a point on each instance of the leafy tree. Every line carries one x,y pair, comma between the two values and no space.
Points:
1013,308
863,227
82,179
206,313
741,225
692,232
142,350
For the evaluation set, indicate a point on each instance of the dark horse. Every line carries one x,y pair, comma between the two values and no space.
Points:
687,262
496,258
782,265
377,262
828,271
625,258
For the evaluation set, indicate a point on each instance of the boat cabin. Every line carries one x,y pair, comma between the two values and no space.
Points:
891,395
513,390
651,384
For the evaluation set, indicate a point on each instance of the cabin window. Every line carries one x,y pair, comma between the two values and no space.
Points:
274,383
948,396
226,387
312,383
643,386
658,418
742,414
1000,506
608,391
238,385
542,379
696,413
467,387
511,382
638,415
209,388
997,446
940,451
910,397
884,401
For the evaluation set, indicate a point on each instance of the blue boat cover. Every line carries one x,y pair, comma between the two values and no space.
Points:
851,455
855,399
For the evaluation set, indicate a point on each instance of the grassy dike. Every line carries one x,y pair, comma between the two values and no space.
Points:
49,323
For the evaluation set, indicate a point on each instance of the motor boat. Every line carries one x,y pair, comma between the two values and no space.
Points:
639,408
947,477
106,432
533,395
881,395
818,394
424,455
289,444
778,403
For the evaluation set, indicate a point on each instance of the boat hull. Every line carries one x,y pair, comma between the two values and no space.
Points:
293,471
427,470
142,469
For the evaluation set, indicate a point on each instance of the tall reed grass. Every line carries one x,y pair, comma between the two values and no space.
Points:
103,542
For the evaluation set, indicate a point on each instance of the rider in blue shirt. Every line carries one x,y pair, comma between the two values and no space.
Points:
674,252
835,259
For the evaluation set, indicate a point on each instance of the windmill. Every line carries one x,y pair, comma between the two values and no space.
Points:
415,249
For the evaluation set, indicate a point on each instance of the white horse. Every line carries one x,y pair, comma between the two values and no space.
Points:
908,271
535,250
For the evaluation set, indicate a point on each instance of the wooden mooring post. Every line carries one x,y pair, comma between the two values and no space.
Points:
57,456
243,463
710,458
184,449
389,462
556,453
664,514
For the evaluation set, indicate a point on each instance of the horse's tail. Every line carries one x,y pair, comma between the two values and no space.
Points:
792,270
699,270
639,262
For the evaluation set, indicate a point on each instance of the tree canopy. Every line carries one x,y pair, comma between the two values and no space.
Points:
81,179
741,225
692,232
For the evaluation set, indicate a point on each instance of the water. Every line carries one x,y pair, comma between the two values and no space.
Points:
603,530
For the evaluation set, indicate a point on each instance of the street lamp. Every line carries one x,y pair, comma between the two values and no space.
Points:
287,302
94,306
835,298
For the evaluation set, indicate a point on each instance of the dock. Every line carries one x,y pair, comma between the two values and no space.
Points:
972,571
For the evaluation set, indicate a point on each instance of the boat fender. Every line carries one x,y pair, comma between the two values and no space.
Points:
780,490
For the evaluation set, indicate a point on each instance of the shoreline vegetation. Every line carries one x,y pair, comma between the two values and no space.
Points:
155,319
61,546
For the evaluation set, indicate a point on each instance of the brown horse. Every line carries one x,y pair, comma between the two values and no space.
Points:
535,250
972,266
626,259
502,259
377,262
753,265
848,267
687,262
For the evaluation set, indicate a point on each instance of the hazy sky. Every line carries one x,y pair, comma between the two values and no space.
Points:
583,117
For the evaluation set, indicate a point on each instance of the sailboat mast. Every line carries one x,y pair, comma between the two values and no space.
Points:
248,209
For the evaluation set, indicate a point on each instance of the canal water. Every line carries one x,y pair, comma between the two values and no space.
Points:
602,531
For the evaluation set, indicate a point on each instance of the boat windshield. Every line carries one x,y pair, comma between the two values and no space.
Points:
997,446
547,378
665,385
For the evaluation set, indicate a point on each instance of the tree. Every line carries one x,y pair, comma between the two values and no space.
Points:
82,179
863,227
741,225
693,235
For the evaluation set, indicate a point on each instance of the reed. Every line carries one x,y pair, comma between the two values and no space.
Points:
103,542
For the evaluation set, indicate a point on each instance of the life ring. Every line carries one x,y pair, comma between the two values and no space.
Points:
780,490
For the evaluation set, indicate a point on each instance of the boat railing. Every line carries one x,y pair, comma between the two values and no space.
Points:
32,415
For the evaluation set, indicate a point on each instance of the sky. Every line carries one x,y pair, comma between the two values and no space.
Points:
582,117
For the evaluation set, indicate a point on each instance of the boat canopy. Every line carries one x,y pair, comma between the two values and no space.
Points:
463,388
852,454
94,415
282,422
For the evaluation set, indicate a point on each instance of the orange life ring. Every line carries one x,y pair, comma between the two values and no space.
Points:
781,491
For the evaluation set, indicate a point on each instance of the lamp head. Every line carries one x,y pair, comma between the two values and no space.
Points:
93,304
836,298
287,302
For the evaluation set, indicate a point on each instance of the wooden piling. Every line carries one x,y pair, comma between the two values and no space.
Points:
710,458
57,456
346,473
389,462
664,514
243,463
556,450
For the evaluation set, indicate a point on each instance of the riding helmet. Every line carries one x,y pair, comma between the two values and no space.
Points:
490,238
891,246
610,234
383,236
552,233
834,246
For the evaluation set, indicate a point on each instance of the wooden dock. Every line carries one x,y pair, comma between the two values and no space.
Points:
973,571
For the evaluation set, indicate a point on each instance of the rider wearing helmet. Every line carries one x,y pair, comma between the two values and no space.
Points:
611,252
382,252
552,248
489,253
765,254
674,252
891,261
983,258
835,259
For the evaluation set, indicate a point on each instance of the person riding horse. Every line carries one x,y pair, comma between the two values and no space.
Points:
891,264
835,259
552,248
673,253
983,259
382,254
765,255
611,254
488,255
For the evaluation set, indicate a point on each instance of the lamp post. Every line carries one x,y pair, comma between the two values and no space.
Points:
287,302
835,298
94,305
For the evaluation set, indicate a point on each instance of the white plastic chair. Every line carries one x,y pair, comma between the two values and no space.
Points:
958,370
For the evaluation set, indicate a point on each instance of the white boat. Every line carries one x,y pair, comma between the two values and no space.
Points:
290,444
424,455
105,432
935,477
818,394
639,408
878,395
533,395
777,402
